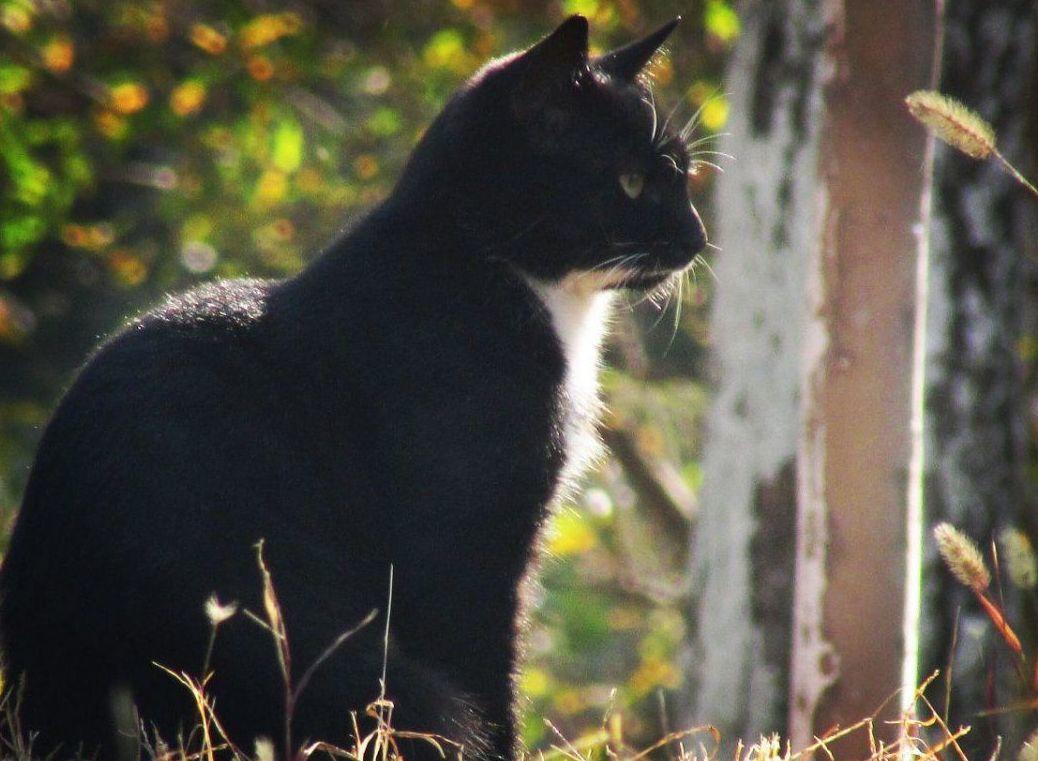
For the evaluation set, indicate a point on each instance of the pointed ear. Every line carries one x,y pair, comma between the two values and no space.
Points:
560,52
625,63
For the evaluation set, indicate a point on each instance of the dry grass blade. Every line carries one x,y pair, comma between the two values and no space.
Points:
907,744
674,737
275,621
207,717
329,651
998,620
573,750
382,742
332,750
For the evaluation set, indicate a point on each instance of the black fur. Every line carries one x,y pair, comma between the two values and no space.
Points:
400,401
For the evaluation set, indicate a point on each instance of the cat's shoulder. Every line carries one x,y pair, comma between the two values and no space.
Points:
215,330
221,305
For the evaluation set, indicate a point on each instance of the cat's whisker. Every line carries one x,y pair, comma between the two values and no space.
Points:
620,267
651,103
677,310
651,297
706,139
661,299
702,162
616,261
607,262
670,115
600,276
696,154
690,126
686,131
665,292
700,259
673,163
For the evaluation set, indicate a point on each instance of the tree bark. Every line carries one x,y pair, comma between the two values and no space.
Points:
767,225
984,281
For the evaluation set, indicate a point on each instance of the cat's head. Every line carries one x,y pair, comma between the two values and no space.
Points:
559,163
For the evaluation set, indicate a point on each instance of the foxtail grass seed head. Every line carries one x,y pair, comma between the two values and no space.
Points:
953,123
218,612
962,557
1020,561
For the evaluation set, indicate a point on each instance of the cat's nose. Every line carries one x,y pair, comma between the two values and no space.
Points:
692,233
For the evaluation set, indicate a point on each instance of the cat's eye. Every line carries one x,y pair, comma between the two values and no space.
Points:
632,183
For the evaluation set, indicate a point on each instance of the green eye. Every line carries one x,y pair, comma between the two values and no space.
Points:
632,183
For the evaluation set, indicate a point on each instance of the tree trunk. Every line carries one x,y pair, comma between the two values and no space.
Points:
814,331
767,225
984,282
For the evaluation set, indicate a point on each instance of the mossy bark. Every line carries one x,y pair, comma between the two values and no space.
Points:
982,385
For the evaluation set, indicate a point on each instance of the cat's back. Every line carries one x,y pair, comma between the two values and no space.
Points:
189,353
179,402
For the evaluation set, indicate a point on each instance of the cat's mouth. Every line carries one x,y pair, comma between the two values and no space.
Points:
644,271
642,281
666,262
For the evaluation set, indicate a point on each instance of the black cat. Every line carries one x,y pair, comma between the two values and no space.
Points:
415,397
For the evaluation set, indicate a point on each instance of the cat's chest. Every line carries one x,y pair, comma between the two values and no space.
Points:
579,319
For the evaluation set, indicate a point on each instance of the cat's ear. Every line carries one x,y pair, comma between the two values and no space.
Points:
559,54
550,71
625,63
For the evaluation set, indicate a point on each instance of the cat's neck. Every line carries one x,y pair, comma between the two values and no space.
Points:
579,313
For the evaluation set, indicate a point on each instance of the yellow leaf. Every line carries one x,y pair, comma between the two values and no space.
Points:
128,98
187,98
58,55
110,124
267,28
17,18
271,187
208,39
721,21
535,682
287,151
715,114
571,535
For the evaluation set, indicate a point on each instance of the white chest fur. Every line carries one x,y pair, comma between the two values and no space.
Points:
580,316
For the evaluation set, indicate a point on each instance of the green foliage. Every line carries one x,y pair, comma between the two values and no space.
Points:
145,146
